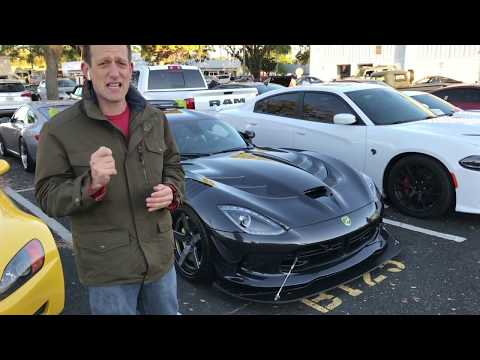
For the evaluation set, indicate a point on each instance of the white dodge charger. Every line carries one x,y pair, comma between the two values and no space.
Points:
424,163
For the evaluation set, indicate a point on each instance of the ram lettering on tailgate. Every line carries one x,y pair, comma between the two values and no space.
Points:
226,102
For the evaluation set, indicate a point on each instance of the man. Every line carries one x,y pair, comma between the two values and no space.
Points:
110,162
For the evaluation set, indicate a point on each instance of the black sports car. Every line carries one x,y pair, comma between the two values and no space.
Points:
271,224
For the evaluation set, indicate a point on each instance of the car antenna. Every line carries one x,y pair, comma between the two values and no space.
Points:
286,277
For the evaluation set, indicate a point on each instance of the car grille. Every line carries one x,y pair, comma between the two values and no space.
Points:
326,252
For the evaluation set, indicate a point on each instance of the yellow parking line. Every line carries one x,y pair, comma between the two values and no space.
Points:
368,279
350,291
315,306
399,266
313,303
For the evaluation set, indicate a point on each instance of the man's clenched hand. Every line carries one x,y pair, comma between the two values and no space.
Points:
102,166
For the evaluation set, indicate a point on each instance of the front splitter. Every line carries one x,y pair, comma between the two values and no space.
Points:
295,293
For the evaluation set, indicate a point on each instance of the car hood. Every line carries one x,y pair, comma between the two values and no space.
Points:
295,188
448,126
470,114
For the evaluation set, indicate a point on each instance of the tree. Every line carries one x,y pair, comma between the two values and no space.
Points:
52,55
174,53
258,58
303,55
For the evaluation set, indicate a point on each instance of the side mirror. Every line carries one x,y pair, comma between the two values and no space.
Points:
249,134
344,119
4,167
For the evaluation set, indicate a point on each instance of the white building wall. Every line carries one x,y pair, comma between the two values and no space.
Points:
460,62
325,58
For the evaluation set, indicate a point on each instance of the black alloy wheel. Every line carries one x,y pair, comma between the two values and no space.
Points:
27,161
192,246
420,186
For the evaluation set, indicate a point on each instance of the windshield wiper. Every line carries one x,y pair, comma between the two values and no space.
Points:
407,121
233,149
193,155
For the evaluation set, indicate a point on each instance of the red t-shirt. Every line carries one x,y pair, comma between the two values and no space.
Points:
122,121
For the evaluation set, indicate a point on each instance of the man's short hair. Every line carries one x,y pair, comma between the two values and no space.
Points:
87,54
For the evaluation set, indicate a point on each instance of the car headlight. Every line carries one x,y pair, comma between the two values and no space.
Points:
471,162
26,263
252,222
376,197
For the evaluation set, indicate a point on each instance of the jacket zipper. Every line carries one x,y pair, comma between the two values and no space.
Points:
124,142
140,149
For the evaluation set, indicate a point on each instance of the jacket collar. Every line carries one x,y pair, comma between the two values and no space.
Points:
90,102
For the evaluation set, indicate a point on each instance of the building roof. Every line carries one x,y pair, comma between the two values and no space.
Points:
217,64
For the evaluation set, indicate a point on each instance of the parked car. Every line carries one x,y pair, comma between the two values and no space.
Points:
395,78
425,164
12,95
364,81
31,274
439,106
19,134
466,97
65,88
262,87
271,224
77,93
308,80
185,86
436,80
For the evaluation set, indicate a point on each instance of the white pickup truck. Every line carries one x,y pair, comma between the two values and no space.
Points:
185,86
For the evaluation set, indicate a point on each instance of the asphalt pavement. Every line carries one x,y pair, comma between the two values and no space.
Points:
437,272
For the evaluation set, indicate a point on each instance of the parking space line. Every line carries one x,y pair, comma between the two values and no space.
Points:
24,190
455,238
54,225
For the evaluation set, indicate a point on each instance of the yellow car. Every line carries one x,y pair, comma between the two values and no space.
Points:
30,267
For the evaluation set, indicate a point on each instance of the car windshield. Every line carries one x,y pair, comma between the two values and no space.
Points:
49,111
11,87
66,83
175,79
205,136
387,106
434,102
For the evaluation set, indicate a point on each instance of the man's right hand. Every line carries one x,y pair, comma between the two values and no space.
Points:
102,166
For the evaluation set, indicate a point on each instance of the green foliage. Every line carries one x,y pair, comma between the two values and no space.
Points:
258,58
167,54
303,56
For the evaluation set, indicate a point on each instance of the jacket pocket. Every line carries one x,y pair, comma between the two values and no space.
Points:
154,159
160,246
104,255
165,222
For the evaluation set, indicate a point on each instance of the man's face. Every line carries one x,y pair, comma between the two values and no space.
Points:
110,71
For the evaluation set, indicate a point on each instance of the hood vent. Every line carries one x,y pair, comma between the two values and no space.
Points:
317,192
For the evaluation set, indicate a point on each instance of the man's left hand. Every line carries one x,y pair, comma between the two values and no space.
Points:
161,198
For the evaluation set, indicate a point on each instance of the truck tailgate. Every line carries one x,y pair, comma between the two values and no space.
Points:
207,100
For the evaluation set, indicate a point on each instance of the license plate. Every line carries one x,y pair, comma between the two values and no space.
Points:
10,98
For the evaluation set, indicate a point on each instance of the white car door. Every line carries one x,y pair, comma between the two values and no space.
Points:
315,130
272,119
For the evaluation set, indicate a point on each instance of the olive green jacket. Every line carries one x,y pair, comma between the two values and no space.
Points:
116,240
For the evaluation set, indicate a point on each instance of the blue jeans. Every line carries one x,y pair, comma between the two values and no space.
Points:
154,298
